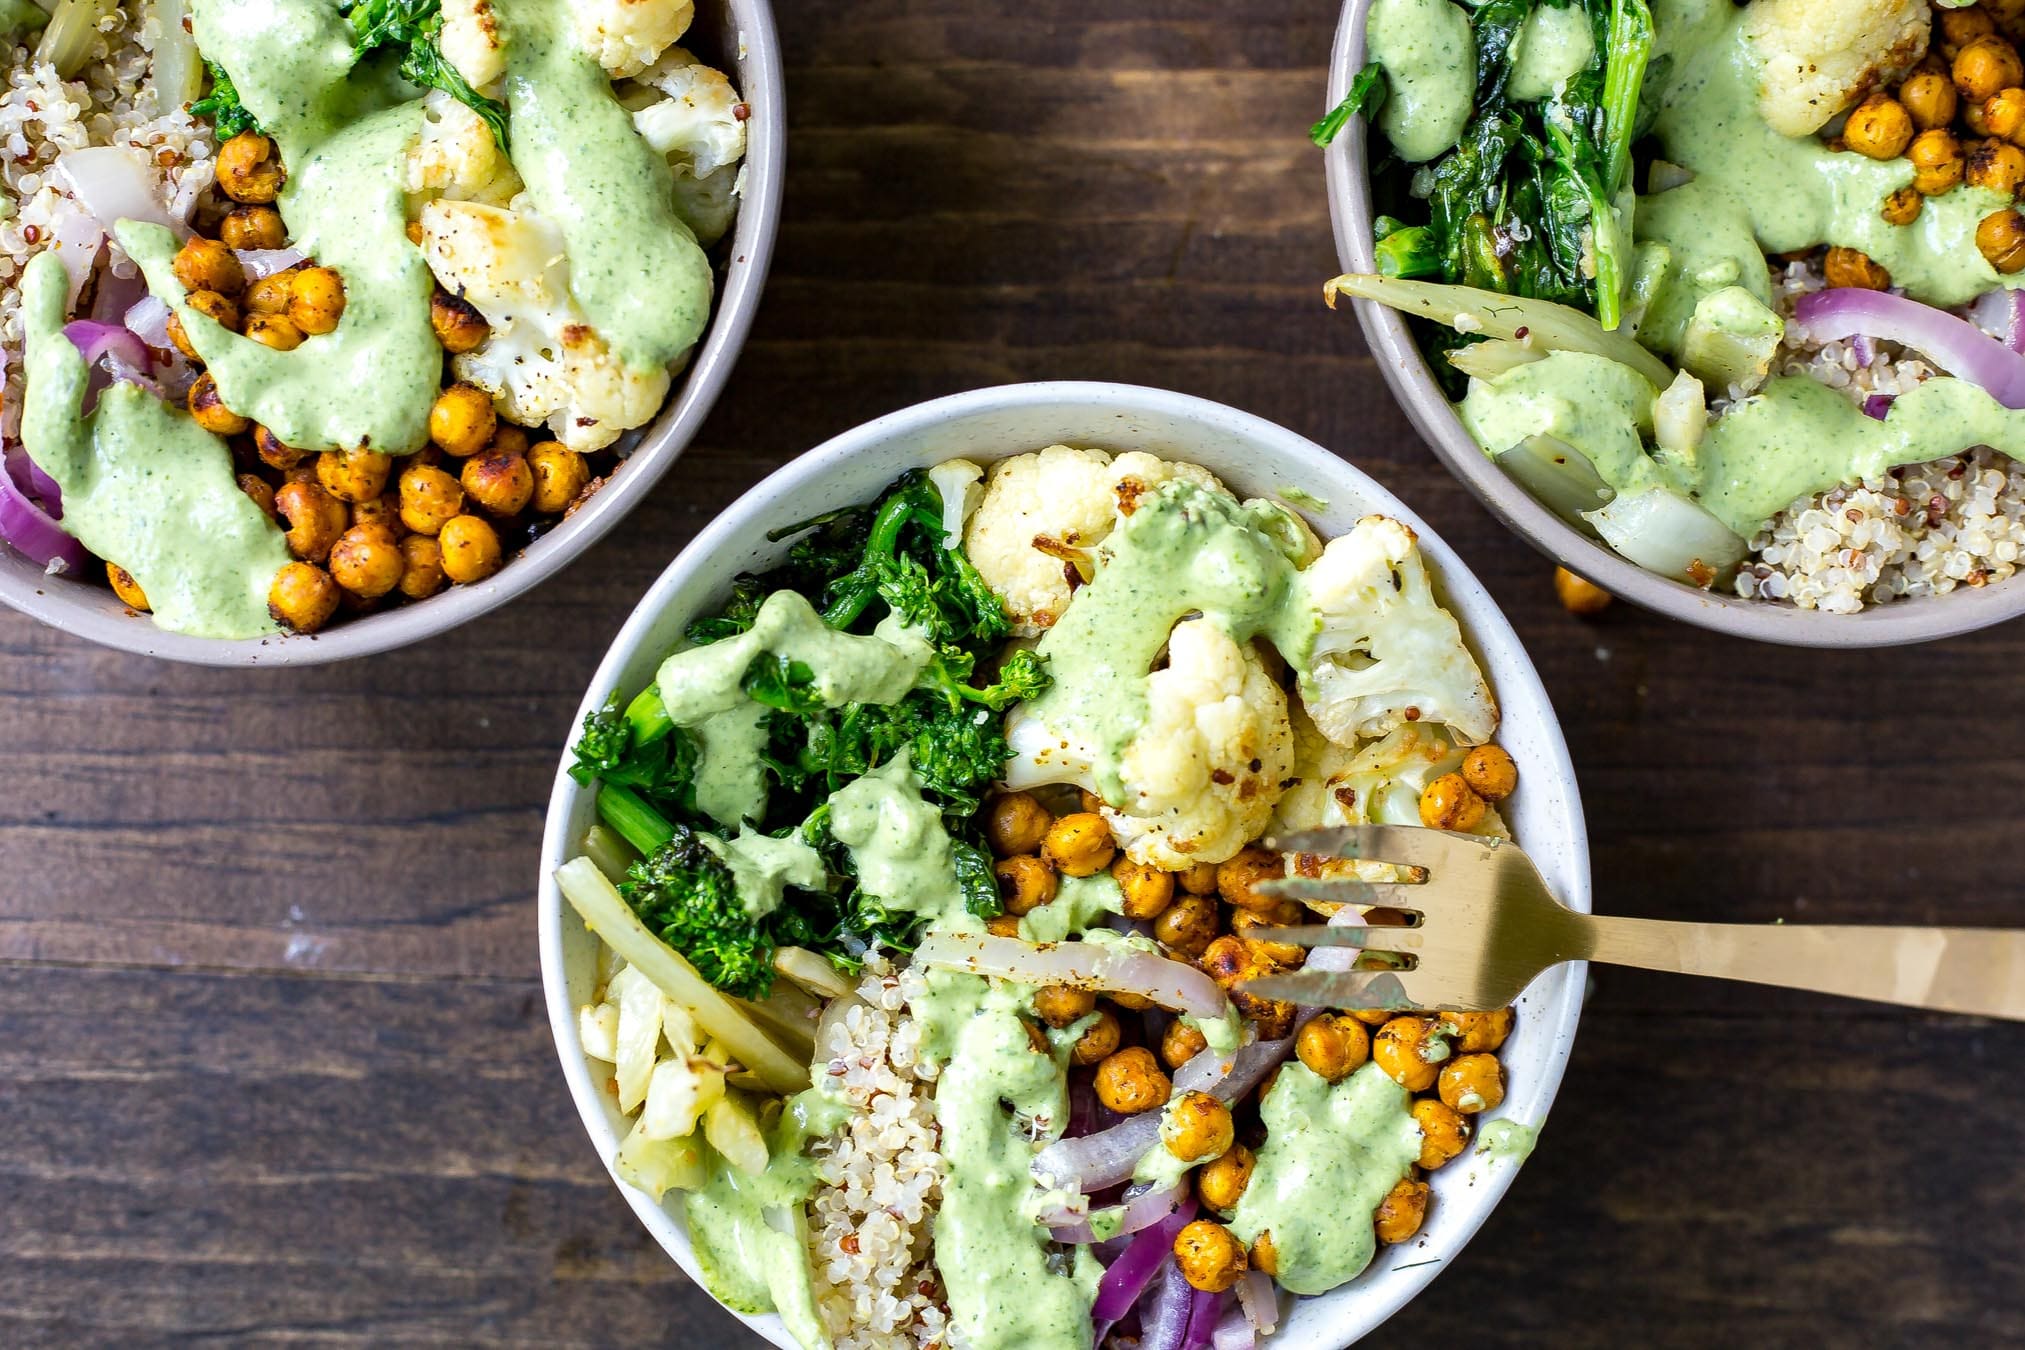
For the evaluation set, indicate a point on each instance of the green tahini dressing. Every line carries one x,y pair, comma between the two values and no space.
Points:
143,485
1080,904
897,842
763,867
1430,60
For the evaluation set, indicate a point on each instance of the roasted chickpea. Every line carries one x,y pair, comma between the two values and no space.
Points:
366,561
1237,880
421,567
1199,879
1472,1083
1409,1052
508,439
1960,27
1130,1081
429,498
1476,1032
1130,1002
302,596
1273,955
1187,925
1996,166
315,519
1087,800
1014,822
1937,161
1269,1018
1060,1004
1450,803
1928,98
1985,67
1265,1256
1851,267
1372,1017
1221,1182
1180,1043
1003,925
1197,1127
1230,960
1148,891
458,324
206,265
210,411
1579,596
272,452
1879,127
220,307
1025,883
1079,844
271,294
1443,1132
1489,770
1902,207
316,300
501,484
2004,114
1333,1046
253,227
277,331
126,588
1402,1212
259,491
2000,236
249,170
462,420
1210,1258
1099,1040
560,476
382,512
353,475
470,549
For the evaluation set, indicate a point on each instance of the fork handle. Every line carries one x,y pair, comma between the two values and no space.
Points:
1965,970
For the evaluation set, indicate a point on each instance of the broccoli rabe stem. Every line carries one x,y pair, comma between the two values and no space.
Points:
648,718
919,502
628,813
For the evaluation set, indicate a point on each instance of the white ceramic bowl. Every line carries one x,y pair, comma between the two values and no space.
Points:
736,35
1406,370
1254,457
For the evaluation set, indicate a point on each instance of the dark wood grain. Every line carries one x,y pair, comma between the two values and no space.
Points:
272,1061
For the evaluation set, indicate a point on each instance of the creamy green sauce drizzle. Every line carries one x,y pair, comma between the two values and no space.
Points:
1430,60
762,868
1507,1141
143,485
1554,46
1331,1154
1080,904
897,842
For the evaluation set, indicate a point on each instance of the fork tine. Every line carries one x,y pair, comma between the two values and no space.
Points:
1398,990
1401,845
1332,935
1342,891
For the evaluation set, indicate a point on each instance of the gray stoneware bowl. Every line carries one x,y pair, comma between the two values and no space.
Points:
737,35
1892,624
1256,458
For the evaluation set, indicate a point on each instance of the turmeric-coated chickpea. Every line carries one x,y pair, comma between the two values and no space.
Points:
1472,1083
457,323
316,300
126,588
1130,1081
1237,880
259,491
1850,267
249,169
1902,207
508,439
1280,955
1372,1017
1025,883
2004,114
1148,891
209,410
206,265
220,307
421,567
1079,844
1180,1043
1578,595
1985,67
501,483
315,519
1333,1046
1997,166
1003,925
1490,771
1409,1052
1960,27
1209,1257
1099,1040
277,331
1879,127
1402,1212
1188,925
470,549
1230,960
1221,1182
1444,1132
382,512
1265,1256
366,561
353,475
253,227
462,420
273,452
1937,161
1479,1031
1928,98
1197,1127
1270,1019
271,294
302,596
1450,803
1199,879
2000,237
560,477
1014,822
429,498
1060,1004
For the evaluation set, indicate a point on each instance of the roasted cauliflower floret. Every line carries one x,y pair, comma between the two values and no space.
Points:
457,157
699,124
470,41
625,36
1041,515
1820,56
1386,652
543,362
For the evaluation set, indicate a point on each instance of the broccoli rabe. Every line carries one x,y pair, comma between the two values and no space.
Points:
228,115
685,894
412,28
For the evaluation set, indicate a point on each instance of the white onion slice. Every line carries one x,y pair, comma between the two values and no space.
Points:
148,320
1106,967
1142,1211
115,183
265,262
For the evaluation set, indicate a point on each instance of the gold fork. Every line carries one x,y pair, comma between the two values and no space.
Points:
1481,924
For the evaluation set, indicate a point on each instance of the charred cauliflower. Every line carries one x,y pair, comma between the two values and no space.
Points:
1820,56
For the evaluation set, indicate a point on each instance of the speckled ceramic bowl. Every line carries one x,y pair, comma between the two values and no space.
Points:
1391,342
1255,458
737,35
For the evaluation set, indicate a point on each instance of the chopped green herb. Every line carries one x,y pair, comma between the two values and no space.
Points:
1367,96
228,115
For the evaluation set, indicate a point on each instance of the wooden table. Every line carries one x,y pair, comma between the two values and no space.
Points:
273,1063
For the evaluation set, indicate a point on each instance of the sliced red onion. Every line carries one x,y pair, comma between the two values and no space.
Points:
2001,314
1082,1109
1234,1332
1107,967
30,530
1128,1276
148,320
1163,1323
1142,1211
94,340
1259,1300
115,295
265,262
1865,350
29,477
1205,1311
1955,345
1877,405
